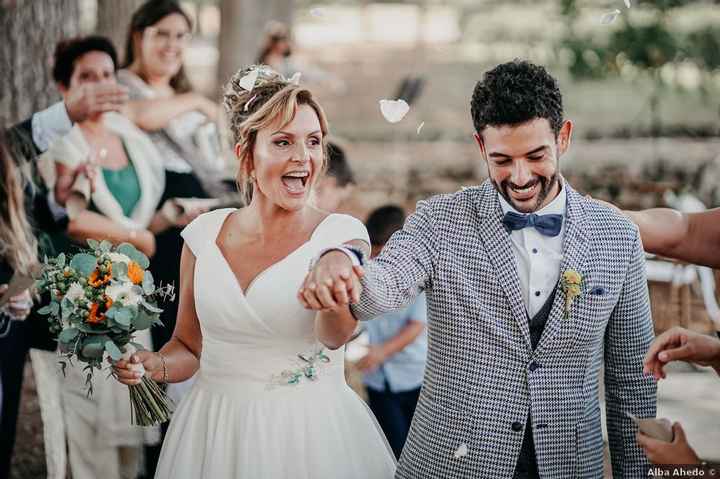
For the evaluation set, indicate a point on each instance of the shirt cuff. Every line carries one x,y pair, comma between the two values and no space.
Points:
58,212
352,256
50,124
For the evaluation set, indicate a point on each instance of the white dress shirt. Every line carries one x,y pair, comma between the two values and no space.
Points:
538,257
49,125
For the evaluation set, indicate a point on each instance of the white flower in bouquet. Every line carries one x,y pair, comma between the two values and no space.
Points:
124,293
75,292
118,258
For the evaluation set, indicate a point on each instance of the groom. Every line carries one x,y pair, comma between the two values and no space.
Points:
511,385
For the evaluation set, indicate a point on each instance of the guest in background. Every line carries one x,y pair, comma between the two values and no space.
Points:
337,184
23,212
395,362
177,120
123,207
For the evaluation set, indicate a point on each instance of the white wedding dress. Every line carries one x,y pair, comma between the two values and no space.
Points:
257,410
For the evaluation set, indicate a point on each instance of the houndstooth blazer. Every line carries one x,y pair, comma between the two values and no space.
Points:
483,378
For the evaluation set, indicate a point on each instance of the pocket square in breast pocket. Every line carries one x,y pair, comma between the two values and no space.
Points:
597,291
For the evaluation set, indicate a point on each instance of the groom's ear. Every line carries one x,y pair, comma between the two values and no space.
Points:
480,144
565,137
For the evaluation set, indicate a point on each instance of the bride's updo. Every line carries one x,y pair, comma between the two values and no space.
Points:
273,100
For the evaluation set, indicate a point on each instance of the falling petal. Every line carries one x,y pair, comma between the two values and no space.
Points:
295,79
610,17
317,12
628,3
247,103
248,81
394,110
420,127
461,451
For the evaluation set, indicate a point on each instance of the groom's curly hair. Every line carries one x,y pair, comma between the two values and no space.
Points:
516,92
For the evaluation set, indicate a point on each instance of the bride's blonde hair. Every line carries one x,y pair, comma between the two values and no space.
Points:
272,100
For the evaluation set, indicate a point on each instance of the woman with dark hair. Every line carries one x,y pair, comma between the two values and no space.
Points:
179,121
123,208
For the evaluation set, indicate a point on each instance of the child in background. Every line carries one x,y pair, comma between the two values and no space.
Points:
395,362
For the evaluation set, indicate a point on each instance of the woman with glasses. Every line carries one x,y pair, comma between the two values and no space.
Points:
180,122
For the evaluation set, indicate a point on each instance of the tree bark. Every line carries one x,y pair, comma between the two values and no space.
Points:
242,29
113,21
29,32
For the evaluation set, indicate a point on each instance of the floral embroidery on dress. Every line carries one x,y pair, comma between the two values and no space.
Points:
306,366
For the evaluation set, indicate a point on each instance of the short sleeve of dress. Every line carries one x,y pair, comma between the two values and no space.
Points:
203,230
337,229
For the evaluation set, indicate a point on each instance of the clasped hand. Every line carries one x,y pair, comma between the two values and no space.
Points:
333,284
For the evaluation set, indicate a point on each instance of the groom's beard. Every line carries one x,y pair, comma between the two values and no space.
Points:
546,186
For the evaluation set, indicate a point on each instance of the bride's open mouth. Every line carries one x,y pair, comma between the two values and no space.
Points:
295,182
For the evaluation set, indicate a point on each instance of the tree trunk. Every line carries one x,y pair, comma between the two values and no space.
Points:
113,21
242,28
29,31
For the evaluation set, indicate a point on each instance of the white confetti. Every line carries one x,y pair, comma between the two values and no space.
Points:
394,110
317,12
628,3
610,17
247,103
420,127
295,79
248,81
461,451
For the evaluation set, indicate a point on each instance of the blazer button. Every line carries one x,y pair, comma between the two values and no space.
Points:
517,426
534,366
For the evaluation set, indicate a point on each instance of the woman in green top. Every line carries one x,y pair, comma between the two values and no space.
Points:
122,208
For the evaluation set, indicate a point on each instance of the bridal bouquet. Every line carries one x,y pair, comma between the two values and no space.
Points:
99,298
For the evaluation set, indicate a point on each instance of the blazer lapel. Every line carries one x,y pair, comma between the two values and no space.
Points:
496,240
575,249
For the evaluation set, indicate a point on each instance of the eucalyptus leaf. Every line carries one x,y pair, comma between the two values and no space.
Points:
93,244
143,320
131,252
113,351
94,346
68,335
84,263
123,317
120,271
148,283
54,308
150,307
45,310
105,246
61,260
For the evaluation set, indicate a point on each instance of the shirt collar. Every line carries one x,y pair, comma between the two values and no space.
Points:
557,206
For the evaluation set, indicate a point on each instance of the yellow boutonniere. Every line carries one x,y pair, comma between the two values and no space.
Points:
571,284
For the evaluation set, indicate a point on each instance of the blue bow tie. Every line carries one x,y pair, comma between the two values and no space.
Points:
548,225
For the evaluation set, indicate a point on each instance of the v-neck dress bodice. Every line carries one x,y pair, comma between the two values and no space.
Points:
269,401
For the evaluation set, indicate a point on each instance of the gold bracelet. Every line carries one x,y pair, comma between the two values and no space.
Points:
164,366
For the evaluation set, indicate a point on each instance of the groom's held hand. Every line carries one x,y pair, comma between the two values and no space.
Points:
332,284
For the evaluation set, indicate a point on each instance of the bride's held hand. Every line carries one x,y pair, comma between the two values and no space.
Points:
333,284
131,372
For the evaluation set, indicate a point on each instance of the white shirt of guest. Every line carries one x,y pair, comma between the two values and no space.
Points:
538,257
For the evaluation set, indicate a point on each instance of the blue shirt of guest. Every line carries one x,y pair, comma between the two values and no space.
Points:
404,370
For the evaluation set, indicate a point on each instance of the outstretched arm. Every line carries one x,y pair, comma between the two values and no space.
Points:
627,390
691,237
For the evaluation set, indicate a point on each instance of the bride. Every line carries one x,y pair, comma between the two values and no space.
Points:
270,400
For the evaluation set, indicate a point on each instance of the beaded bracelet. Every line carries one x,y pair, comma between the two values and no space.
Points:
164,366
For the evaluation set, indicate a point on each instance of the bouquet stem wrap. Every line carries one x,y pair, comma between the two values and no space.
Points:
148,403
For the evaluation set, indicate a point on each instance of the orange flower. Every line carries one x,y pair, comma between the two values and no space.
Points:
96,282
108,303
135,272
95,317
